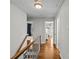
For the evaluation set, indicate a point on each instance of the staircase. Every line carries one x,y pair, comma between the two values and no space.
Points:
36,50
29,51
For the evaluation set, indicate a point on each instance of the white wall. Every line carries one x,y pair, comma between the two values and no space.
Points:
55,32
38,27
18,28
63,30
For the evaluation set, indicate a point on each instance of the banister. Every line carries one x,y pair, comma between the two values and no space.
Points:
21,44
20,52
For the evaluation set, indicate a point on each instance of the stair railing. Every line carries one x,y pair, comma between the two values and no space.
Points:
26,48
33,51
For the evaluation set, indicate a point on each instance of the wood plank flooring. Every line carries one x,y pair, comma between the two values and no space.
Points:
46,51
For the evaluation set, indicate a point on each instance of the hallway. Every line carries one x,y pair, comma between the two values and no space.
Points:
46,51
52,19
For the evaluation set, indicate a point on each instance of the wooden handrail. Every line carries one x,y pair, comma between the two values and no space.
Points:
21,44
20,52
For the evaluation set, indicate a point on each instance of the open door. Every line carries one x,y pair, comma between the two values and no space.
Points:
29,29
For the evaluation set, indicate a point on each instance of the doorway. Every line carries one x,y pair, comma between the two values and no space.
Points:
29,29
49,30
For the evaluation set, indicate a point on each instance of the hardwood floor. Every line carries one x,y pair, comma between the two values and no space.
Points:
46,51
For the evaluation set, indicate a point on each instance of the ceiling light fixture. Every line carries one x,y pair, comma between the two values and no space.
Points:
38,4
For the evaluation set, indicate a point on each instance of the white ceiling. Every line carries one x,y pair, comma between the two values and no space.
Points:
50,7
